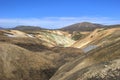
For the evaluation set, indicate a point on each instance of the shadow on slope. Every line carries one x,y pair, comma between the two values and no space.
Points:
27,43
17,63
62,55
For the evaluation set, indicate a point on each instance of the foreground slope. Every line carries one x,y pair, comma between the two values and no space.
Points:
56,56
62,55
102,63
17,63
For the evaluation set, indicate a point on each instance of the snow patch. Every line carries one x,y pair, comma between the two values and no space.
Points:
10,35
30,35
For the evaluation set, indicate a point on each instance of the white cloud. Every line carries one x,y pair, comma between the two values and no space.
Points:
56,22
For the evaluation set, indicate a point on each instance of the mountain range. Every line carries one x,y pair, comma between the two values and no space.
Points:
83,26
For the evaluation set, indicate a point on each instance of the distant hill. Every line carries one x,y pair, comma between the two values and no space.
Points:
1,28
84,26
113,26
27,28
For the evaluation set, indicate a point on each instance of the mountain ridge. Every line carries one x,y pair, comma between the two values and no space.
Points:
22,27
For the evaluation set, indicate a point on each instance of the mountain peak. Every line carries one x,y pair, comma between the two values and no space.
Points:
84,26
86,23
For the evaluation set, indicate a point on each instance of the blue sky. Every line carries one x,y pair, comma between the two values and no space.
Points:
58,13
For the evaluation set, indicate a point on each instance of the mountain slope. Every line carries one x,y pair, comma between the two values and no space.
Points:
84,26
101,63
36,40
17,63
98,37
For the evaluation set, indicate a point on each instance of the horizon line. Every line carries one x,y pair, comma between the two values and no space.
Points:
55,22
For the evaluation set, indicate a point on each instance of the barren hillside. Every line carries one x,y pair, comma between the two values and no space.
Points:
98,37
17,63
36,40
101,63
